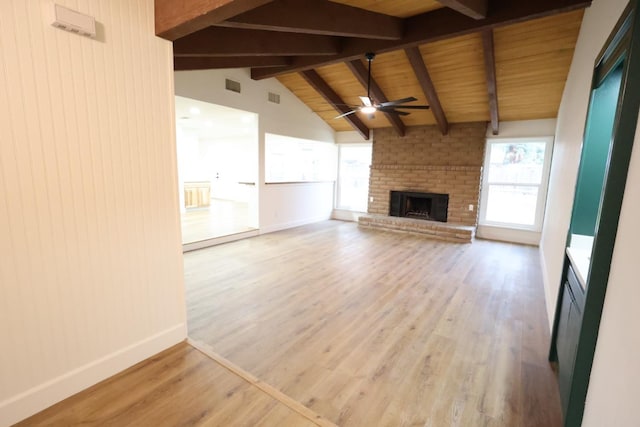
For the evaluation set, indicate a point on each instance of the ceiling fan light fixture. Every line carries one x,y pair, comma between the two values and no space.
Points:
369,109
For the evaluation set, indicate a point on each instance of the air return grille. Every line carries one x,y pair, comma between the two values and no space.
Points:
232,85
274,97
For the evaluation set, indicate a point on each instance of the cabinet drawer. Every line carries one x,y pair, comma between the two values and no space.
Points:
576,290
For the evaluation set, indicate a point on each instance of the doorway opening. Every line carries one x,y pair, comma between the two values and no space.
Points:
217,152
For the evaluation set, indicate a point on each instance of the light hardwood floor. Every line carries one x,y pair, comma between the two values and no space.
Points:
221,218
372,328
178,387
364,327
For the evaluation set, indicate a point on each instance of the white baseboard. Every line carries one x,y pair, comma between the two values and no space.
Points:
285,225
187,247
524,237
547,289
53,391
343,215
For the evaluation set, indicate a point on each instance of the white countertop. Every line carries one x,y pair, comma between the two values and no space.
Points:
579,253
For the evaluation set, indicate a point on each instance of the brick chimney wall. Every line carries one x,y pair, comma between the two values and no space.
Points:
424,160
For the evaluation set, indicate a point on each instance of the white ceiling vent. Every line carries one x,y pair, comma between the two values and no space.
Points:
274,97
232,85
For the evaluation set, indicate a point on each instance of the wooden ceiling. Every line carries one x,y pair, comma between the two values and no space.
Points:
470,60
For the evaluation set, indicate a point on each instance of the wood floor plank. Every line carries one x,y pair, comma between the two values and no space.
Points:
330,323
179,387
367,327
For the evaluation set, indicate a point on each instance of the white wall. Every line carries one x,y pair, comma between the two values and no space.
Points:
612,397
598,23
292,205
90,256
524,129
280,204
353,137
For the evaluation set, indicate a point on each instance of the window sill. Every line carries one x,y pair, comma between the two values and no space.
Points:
508,234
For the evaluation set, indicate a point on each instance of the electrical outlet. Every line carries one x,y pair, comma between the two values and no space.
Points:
371,199
471,208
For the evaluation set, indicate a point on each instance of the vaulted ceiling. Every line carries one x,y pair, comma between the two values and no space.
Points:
469,60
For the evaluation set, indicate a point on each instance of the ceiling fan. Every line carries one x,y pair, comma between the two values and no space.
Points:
369,107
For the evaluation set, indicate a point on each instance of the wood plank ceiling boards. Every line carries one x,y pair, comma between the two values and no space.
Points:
532,45
314,79
361,73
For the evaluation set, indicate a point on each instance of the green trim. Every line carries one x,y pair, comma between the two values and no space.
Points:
623,44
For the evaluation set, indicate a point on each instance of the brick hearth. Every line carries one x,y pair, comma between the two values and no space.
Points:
436,230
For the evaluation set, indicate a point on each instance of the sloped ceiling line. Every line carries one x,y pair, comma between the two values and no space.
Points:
315,81
429,27
260,35
476,9
176,19
428,88
492,84
361,73
327,18
217,41
186,63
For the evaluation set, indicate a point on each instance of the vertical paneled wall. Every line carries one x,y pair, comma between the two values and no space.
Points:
90,255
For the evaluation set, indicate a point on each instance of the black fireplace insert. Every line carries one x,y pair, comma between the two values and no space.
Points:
411,204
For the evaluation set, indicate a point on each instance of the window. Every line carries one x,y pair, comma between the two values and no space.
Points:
514,188
298,160
353,177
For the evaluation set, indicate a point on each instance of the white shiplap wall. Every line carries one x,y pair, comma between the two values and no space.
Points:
90,256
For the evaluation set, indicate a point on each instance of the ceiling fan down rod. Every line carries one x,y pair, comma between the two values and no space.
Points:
369,56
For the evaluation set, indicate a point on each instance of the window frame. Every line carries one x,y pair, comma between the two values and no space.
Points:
542,187
298,142
336,204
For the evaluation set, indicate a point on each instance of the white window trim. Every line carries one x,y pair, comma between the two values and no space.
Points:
543,187
337,190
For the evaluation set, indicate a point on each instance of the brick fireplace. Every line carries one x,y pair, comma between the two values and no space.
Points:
426,161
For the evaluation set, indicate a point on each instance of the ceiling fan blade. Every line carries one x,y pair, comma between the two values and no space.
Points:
411,107
398,101
366,101
392,111
345,114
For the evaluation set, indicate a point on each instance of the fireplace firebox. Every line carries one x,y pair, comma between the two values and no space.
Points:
411,204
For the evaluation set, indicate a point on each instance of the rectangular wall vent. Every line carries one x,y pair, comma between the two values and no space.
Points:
72,21
274,97
232,85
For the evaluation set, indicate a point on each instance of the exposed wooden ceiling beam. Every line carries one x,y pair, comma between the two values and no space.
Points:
209,63
361,73
492,86
314,79
175,19
215,41
432,26
428,88
318,17
476,9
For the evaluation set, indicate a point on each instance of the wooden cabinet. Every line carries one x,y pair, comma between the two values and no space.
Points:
568,332
197,194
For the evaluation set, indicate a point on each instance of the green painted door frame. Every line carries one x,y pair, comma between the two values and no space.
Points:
622,46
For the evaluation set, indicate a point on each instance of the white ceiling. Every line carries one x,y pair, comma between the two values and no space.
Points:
211,121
